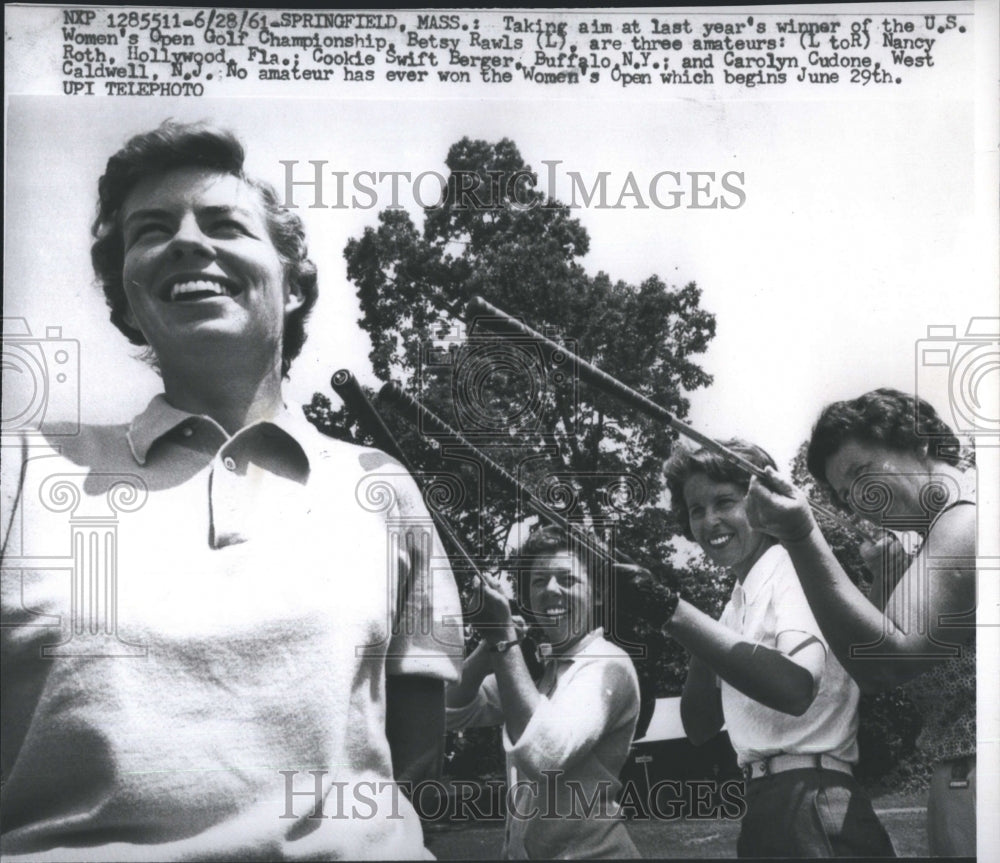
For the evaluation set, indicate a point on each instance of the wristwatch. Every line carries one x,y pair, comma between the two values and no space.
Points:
504,646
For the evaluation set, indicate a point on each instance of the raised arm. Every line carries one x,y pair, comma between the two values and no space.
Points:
518,695
911,636
598,695
784,679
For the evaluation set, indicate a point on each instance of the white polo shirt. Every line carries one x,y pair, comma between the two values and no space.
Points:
562,772
769,602
197,631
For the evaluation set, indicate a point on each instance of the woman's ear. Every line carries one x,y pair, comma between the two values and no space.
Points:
294,297
924,451
598,597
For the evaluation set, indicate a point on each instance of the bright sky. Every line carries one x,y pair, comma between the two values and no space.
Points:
870,215
858,232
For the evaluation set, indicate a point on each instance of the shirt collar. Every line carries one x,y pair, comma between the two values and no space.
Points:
160,417
582,646
154,422
760,573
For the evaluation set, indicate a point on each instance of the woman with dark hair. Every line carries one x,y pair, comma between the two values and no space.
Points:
568,734
888,457
176,146
227,647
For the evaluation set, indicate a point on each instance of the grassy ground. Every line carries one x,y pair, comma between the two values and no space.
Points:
902,814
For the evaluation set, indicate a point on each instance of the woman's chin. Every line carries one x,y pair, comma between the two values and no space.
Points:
563,639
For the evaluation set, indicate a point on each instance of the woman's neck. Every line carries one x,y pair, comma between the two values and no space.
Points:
742,569
233,402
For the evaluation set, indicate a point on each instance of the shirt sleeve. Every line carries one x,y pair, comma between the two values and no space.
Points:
483,710
593,699
427,637
789,604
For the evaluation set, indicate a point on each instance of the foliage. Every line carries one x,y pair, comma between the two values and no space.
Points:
844,534
580,451
521,251
475,753
888,725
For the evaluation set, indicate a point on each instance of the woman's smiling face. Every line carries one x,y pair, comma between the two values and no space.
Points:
199,262
876,481
718,520
560,598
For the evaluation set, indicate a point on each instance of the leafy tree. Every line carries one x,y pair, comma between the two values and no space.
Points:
494,234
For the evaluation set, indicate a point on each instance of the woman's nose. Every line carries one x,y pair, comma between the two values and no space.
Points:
552,587
190,239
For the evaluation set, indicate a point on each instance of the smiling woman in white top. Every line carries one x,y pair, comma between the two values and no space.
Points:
566,737
765,671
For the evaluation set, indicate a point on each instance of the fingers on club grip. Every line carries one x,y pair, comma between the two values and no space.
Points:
774,482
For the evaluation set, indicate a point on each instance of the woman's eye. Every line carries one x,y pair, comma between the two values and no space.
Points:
228,226
143,235
147,229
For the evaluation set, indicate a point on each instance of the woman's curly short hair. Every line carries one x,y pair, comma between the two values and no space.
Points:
886,417
183,145
684,463
551,540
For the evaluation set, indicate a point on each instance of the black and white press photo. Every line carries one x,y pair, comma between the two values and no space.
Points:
500,433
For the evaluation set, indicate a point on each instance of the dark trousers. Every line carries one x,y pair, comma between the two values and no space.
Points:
811,813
